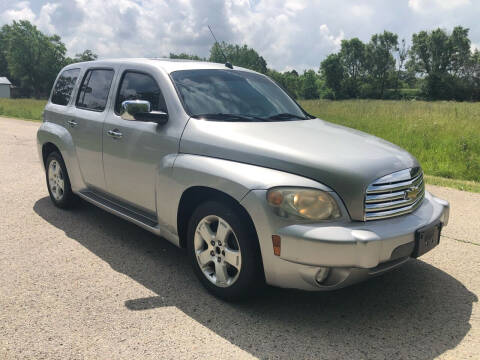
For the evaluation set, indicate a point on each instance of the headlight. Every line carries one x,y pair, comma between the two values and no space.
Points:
304,203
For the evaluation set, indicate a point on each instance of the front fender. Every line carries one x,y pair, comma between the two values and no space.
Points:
230,177
60,137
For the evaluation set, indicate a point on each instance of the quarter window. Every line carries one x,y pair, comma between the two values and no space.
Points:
139,86
64,86
94,91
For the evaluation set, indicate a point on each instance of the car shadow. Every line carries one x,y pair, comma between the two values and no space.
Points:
417,311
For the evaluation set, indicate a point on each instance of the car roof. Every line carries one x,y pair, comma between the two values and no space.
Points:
168,65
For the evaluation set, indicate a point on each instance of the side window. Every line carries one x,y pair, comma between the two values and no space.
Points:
64,86
94,91
139,86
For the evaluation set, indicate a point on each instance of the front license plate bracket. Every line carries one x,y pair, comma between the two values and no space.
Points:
426,238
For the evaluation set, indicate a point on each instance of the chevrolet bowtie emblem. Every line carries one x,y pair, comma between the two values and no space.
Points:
412,193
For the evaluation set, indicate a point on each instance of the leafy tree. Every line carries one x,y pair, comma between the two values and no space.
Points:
333,73
442,59
460,50
431,52
3,60
278,77
291,83
34,59
186,56
86,55
379,60
352,54
473,75
289,80
238,55
308,88
402,57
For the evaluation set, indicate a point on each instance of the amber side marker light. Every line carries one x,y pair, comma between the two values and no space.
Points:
275,197
276,241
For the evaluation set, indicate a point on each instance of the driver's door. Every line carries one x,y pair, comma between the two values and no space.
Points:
132,150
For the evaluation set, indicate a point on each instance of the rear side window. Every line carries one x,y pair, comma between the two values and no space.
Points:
139,86
94,91
64,86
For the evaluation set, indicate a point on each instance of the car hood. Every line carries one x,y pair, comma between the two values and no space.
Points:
344,159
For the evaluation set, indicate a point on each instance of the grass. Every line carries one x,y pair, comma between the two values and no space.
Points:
443,136
29,109
463,185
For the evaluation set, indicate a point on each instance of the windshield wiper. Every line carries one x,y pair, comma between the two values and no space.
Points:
286,116
229,117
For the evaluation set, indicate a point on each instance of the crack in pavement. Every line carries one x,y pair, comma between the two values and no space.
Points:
461,240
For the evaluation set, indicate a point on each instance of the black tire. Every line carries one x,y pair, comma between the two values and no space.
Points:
68,198
250,277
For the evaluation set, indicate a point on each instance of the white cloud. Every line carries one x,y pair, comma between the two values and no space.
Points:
429,5
361,10
23,11
19,11
335,41
287,33
43,20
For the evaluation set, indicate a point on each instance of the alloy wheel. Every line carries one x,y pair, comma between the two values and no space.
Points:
56,180
217,251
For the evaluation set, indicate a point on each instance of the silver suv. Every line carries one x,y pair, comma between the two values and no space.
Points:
224,163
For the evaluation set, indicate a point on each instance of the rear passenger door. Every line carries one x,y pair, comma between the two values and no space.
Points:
86,126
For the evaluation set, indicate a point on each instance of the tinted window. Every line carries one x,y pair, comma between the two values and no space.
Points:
93,93
233,92
138,86
64,86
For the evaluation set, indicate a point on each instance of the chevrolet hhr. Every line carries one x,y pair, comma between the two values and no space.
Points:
221,161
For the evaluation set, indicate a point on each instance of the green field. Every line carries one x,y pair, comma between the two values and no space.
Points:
22,108
443,136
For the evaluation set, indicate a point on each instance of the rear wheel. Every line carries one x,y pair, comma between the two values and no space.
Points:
58,182
224,252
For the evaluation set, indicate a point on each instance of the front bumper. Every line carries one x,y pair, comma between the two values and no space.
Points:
352,250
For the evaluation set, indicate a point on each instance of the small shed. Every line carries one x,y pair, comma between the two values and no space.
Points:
5,86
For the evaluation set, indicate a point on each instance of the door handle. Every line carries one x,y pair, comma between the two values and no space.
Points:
72,123
115,133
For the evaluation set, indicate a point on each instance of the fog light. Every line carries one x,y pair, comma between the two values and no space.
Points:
322,275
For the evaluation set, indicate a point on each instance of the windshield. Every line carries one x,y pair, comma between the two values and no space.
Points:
232,95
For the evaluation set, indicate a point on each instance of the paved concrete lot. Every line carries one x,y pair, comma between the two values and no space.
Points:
84,284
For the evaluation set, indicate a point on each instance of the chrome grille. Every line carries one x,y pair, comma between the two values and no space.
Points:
395,194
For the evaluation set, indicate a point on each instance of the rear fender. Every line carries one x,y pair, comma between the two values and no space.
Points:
60,137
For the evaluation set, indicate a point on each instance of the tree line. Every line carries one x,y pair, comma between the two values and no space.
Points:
31,60
436,65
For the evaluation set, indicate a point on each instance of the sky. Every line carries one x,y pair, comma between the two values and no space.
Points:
292,34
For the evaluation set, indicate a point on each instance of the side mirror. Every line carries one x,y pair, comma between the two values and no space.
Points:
139,110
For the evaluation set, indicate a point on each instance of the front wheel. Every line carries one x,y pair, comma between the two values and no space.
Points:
224,251
58,182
